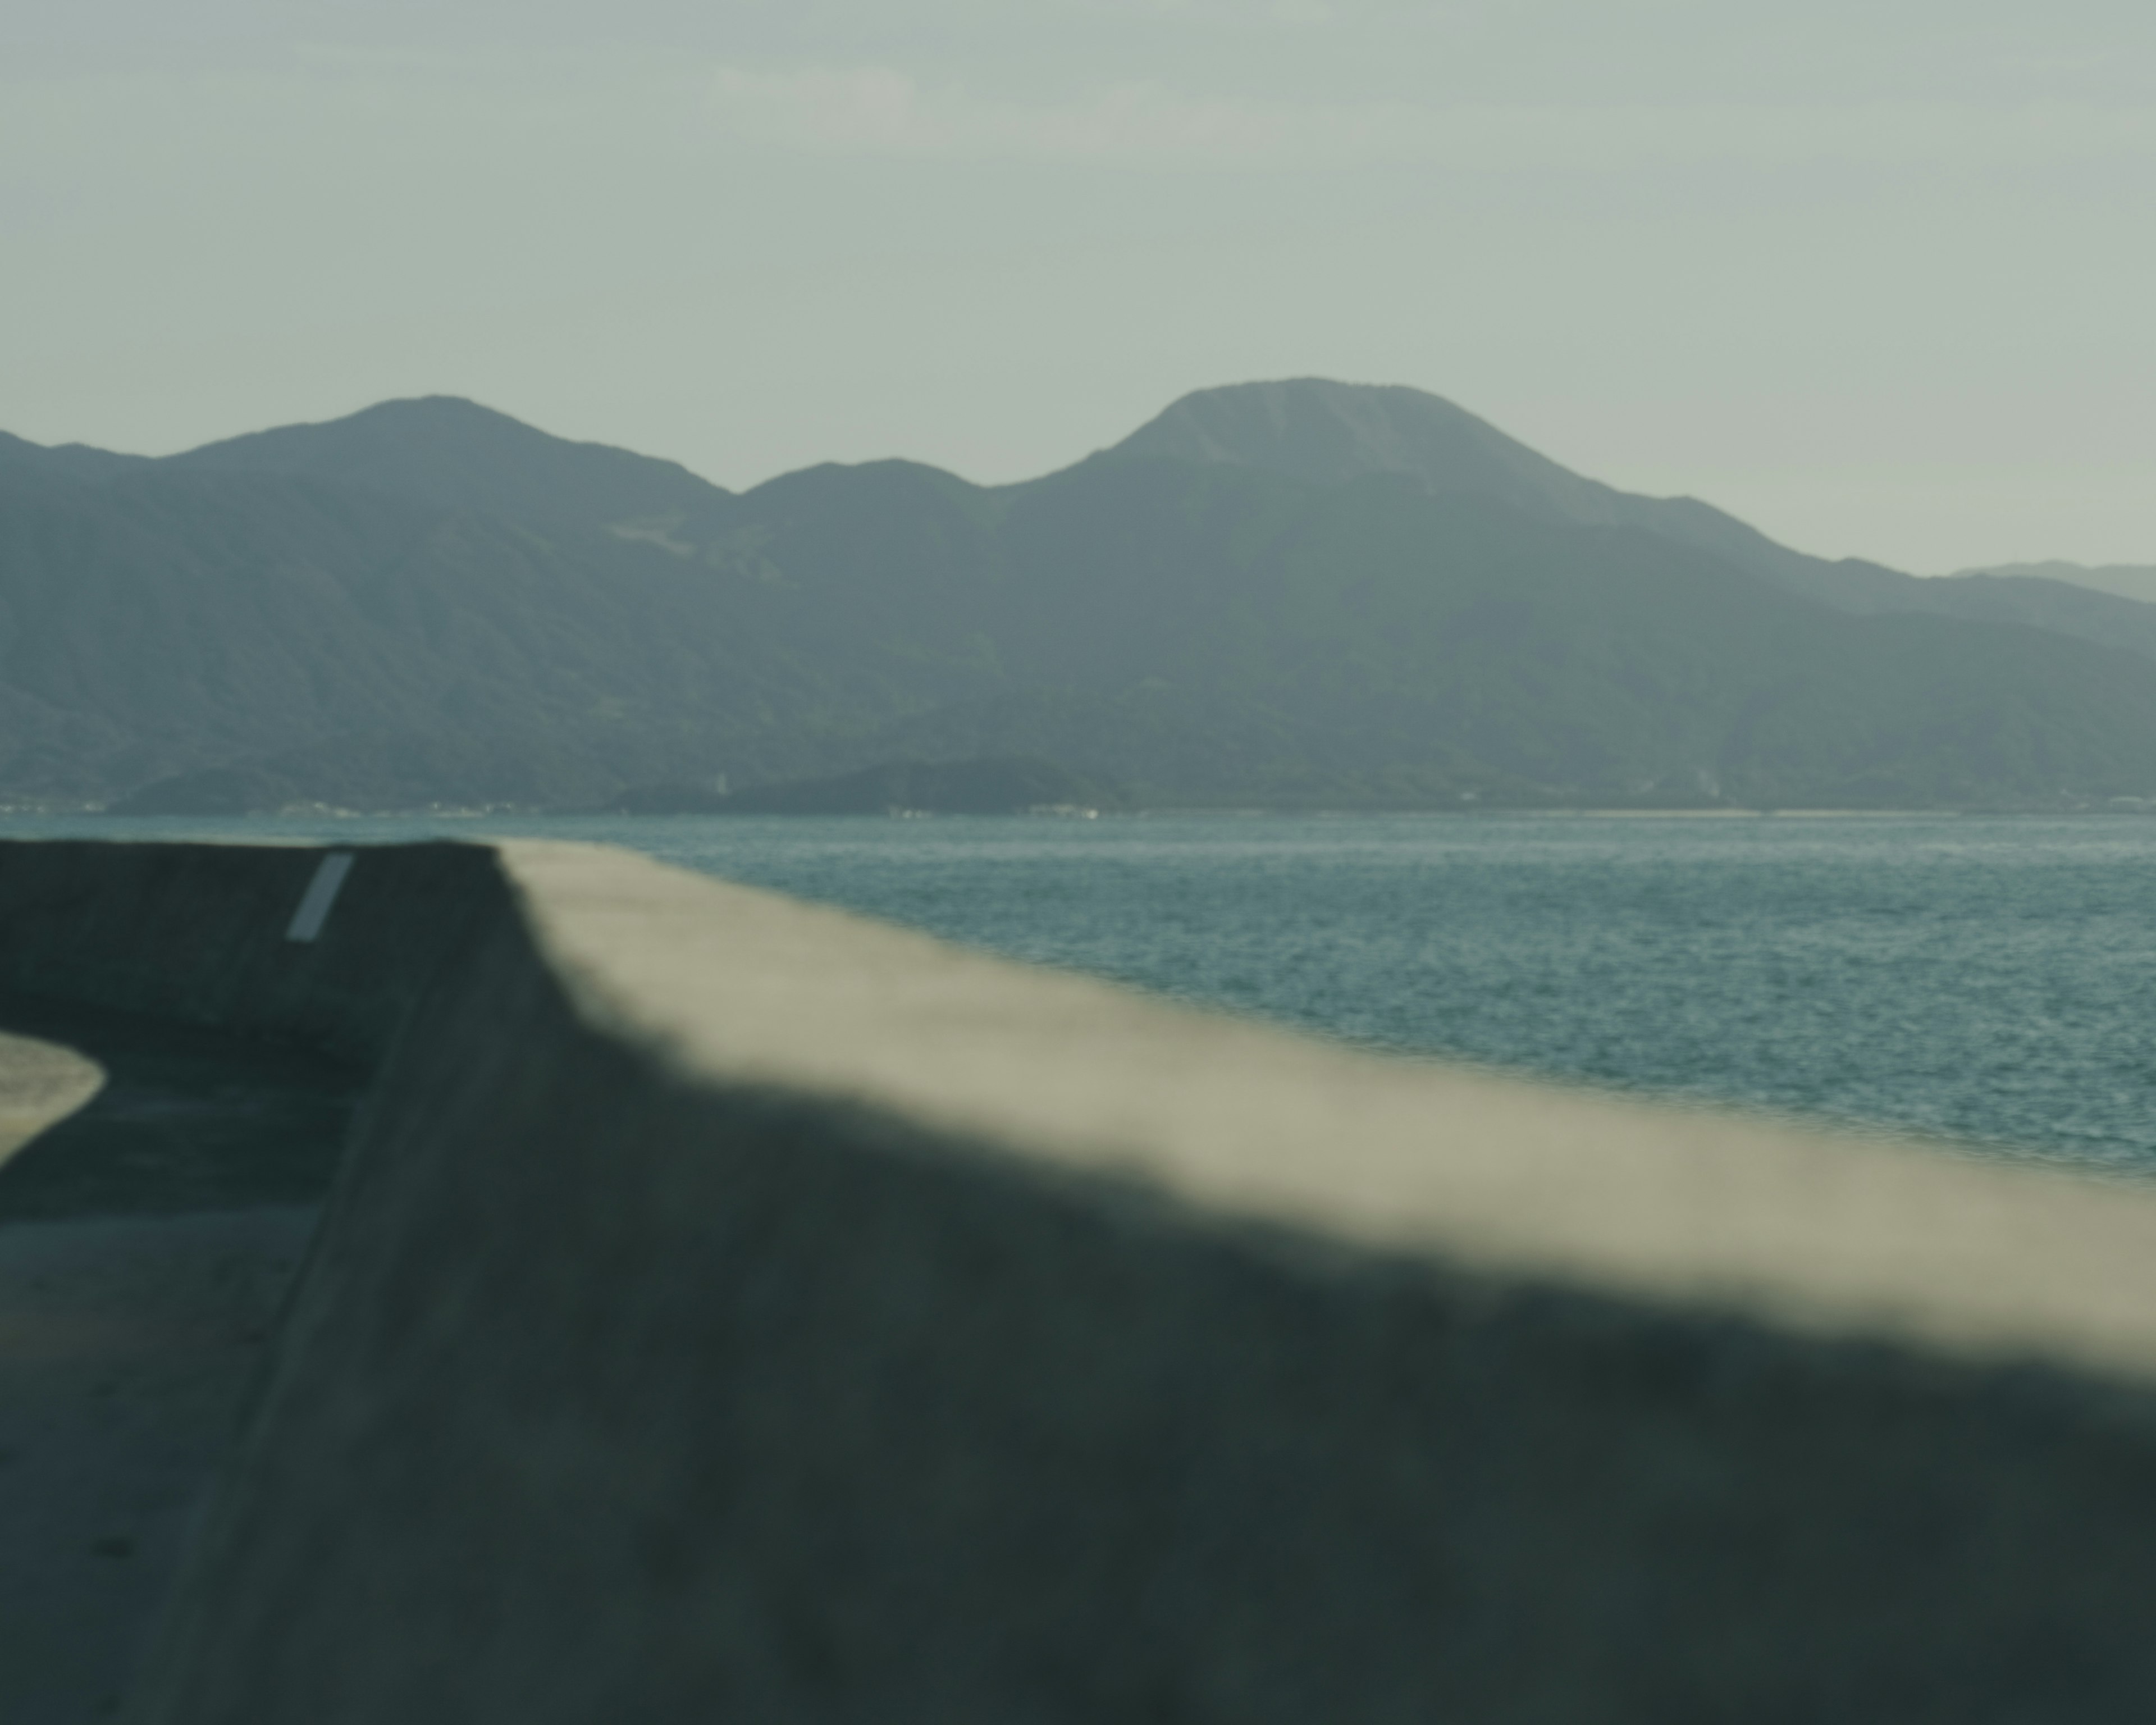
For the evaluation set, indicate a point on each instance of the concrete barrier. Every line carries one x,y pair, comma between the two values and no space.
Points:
734,1310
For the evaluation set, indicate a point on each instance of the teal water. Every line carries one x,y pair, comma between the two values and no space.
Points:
1988,981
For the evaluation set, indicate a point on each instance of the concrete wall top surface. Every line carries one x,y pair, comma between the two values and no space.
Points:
1828,1233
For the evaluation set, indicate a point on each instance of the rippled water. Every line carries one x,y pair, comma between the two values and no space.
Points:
1983,980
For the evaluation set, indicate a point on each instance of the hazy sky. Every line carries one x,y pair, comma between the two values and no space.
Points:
1879,277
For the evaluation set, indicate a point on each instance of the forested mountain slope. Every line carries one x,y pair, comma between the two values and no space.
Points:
1327,433
430,602
2125,581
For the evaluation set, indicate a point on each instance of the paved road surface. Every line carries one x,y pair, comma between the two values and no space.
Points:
158,1189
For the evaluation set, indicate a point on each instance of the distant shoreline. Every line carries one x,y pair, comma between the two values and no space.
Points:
318,814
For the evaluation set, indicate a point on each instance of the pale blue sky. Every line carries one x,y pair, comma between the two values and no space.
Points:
1878,277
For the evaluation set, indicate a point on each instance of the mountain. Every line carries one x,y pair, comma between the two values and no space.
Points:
457,454
1324,433
1292,595
2126,581
2039,601
369,649
1327,434
21,459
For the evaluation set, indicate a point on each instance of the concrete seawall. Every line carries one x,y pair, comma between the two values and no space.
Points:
731,1309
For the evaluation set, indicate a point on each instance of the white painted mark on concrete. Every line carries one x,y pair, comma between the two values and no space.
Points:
321,893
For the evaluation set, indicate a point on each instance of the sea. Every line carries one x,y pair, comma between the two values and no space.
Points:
1989,982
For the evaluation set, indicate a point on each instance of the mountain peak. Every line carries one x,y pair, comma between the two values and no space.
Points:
1327,432
450,451
76,461
1324,432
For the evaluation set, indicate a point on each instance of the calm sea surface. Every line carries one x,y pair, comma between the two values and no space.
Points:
1990,981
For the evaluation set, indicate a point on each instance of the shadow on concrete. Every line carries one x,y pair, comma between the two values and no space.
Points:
188,1120
147,1241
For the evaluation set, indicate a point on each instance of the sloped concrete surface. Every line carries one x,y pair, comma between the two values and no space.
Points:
127,1345
158,1185
733,1310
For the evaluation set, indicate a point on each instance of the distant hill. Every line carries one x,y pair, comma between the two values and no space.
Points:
1293,595
2126,581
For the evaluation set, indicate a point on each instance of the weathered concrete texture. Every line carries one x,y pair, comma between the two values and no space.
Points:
734,1311
133,1313
127,1345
